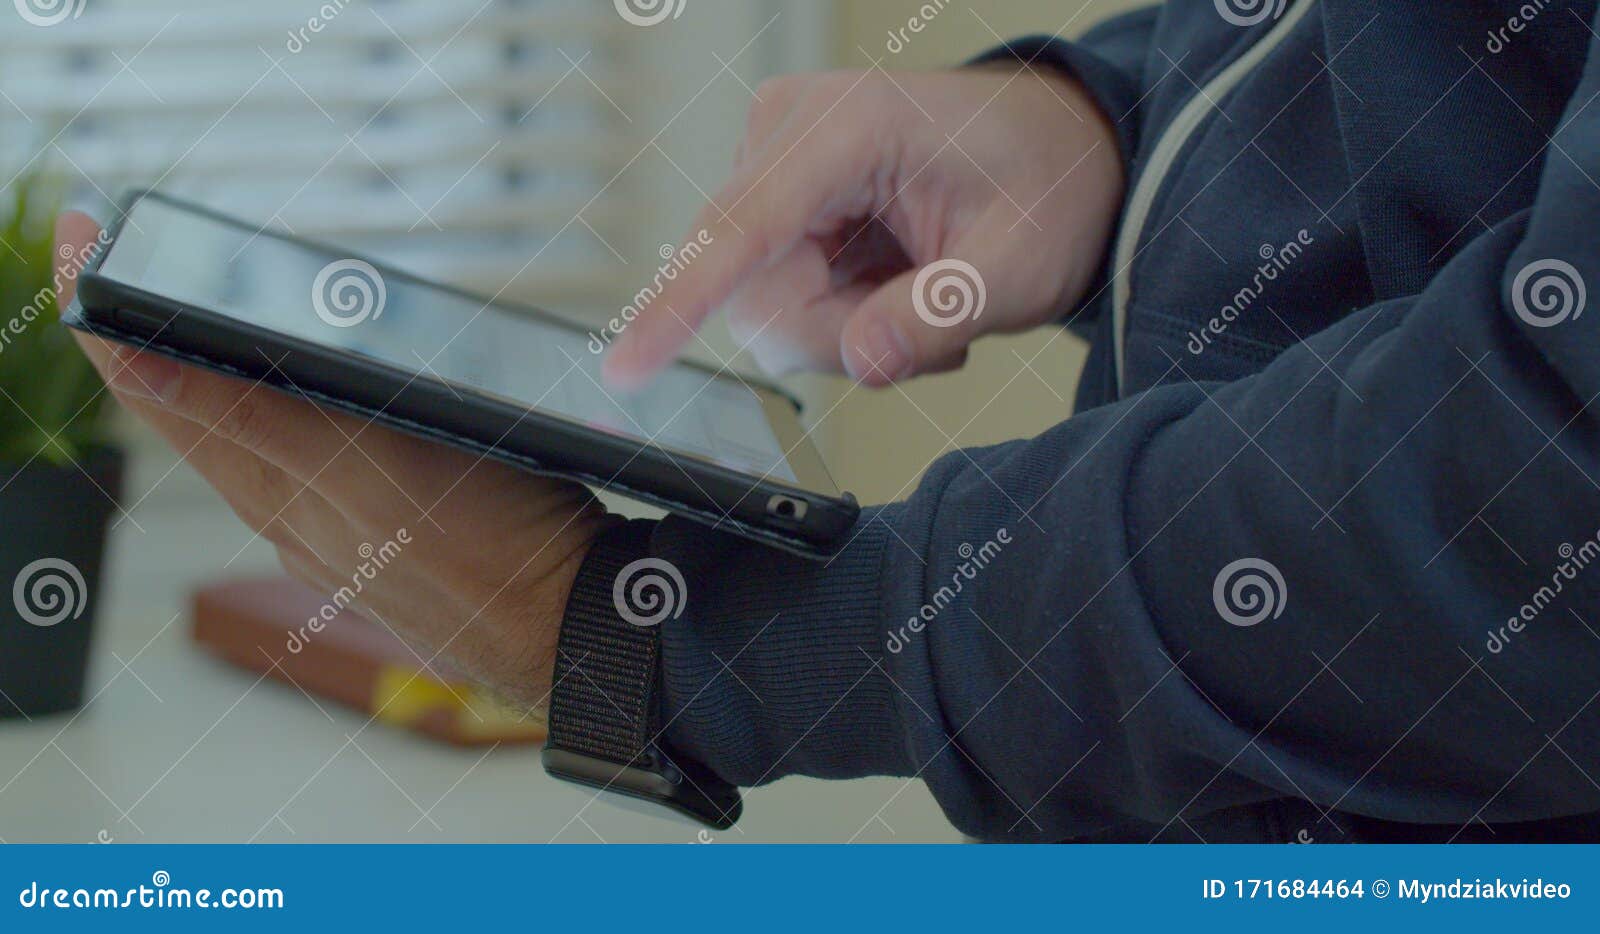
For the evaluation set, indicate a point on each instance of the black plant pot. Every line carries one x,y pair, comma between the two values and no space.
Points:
53,522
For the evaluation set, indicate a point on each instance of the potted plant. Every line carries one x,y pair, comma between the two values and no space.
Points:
58,474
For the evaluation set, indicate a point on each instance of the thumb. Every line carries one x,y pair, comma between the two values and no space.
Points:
76,236
915,322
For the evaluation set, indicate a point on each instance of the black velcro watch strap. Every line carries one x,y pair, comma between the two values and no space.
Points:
603,730
605,672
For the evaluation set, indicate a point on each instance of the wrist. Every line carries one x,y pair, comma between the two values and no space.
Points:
1099,183
1079,155
543,600
779,665
1094,129
604,717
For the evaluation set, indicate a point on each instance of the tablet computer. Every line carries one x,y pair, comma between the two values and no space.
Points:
514,383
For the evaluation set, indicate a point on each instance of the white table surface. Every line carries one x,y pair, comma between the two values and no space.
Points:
178,747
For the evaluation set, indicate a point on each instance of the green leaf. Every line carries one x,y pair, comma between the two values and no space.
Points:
51,400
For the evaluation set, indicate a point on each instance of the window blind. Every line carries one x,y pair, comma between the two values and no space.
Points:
463,139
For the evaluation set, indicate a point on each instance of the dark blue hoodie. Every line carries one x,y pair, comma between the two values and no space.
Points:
1319,556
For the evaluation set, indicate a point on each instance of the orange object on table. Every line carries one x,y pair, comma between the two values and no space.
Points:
265,625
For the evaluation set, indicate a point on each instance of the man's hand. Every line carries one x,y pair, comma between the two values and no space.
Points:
850,184
493,551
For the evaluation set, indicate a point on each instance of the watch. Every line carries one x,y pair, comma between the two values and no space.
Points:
604,731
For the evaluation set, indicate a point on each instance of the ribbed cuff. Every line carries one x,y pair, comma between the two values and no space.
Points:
777,666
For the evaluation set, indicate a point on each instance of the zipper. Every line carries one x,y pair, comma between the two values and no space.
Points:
1162,158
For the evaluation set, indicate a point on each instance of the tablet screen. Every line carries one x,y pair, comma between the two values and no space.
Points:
302,291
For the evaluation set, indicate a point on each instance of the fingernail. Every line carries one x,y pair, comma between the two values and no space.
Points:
141,375
886,351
